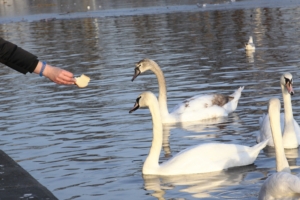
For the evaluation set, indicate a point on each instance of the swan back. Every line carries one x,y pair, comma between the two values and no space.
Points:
281,185
274,114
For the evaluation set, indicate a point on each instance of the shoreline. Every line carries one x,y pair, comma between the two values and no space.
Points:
151,11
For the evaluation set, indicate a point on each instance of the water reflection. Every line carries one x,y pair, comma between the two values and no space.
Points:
208,128
250,55
198,185
291,154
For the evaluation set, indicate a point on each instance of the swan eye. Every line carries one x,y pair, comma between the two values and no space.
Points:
288,80
138,99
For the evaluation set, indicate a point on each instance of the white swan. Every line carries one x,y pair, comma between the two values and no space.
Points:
290,128
283,184
197,159
193,109
250,45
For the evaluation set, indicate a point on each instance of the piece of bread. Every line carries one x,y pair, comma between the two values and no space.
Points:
82,81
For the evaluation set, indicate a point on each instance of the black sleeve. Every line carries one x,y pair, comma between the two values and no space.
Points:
16,57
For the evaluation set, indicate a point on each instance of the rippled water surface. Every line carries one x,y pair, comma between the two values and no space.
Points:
83,143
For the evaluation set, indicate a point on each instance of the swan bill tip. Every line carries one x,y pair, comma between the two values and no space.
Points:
136,106
136,73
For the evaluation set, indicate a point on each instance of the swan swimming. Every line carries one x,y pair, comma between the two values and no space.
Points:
290,128
283,184
201,158
250,45
193,109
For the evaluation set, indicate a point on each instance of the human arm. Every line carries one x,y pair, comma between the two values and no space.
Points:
23,62
55,74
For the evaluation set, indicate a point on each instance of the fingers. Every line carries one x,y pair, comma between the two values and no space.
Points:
64,77
59,76
67,77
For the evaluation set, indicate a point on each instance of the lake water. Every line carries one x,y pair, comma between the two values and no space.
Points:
83,143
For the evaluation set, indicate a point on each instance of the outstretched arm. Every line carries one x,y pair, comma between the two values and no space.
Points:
23,62
55,74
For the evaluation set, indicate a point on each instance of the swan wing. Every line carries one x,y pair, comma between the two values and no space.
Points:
201,102
210,157
212,112
265,129
297,130
196,103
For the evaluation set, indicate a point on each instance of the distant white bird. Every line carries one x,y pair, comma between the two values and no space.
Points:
250,45
283,184
88,7
201,5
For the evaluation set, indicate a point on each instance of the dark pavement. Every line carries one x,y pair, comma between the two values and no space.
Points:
16,183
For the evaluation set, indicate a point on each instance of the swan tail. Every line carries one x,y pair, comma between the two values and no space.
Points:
232,104
237,94
261,145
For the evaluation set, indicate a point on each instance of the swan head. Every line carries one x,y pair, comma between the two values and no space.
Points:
143,100
286,81
142,66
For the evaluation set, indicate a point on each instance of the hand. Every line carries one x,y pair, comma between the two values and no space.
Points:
55,74
58,75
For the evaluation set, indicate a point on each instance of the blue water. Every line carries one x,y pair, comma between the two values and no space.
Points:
83,143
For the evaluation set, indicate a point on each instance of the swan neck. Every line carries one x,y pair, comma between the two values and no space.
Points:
162,98
289,134
288,110
151,162
281,161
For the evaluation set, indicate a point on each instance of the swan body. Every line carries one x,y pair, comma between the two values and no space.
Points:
250,45
283,184
289,127
196,108
196,159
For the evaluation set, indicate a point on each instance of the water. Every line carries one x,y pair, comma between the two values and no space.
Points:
83,144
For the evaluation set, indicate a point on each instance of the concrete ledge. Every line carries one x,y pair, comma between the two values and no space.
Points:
16,183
